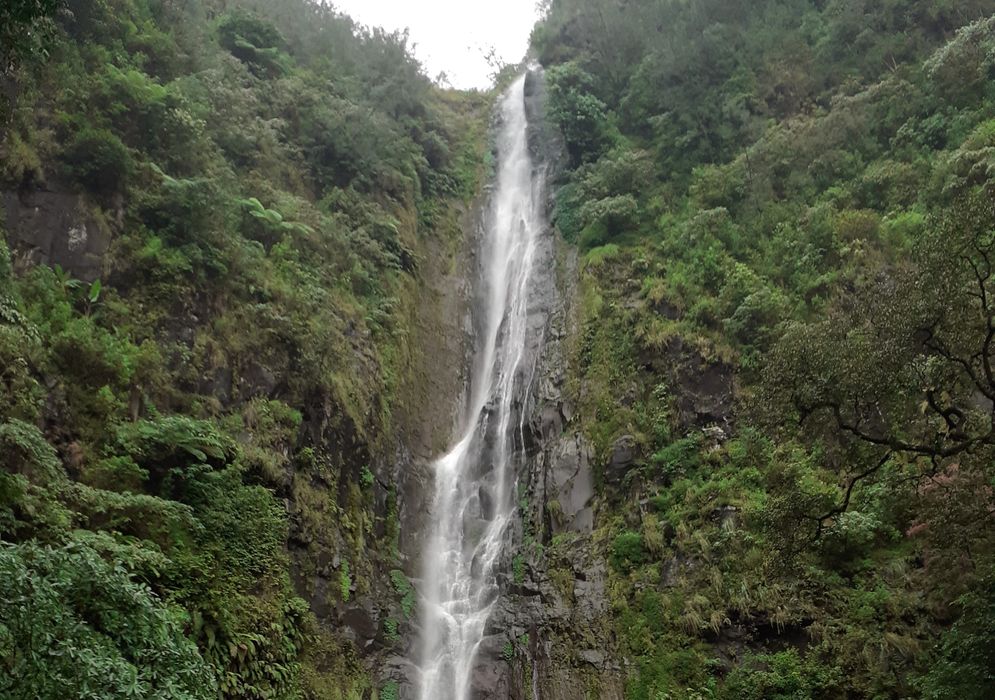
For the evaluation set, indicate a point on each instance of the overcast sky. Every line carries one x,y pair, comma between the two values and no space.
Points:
453,36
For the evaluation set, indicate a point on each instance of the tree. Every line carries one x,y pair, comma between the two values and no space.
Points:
905,365
24,25
579,113
966,667
98,160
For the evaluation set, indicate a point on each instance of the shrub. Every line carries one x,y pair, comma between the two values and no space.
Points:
23,450
579,113
858,225
679,458
782,676
255,42
606,218
404,588
173,441
98,160
345,582
73,625
116,474
628,552
25,26
967,651
518,569
390,691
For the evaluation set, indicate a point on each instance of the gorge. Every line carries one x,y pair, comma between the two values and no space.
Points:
661,368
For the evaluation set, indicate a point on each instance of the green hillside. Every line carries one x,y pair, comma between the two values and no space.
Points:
786,208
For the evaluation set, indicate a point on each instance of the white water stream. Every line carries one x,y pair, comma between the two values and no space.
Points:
474,482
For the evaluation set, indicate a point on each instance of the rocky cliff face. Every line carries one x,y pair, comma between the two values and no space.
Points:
353,552
551,636
425,421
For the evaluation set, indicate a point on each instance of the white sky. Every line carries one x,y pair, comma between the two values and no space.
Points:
453,36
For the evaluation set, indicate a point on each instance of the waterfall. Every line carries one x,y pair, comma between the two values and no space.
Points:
474,482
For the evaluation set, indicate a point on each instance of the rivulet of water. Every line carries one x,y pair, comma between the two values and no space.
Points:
473,499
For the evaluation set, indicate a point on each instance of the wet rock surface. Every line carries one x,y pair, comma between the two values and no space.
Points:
572,485
551,636
545,141
704,389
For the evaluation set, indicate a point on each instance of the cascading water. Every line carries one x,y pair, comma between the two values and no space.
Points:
474,481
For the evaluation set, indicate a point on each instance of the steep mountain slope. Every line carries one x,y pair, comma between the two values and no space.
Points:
230,289
780,373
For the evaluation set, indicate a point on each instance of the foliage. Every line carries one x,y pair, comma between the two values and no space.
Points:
403,587
390,630
26,452
518,569
195,403
98,160
24,25
782,676
964,666
627,551
783,314
389,691
579,113
345,582
73,624
254,41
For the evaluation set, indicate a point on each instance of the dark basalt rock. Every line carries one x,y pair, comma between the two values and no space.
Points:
403,672
706,394
545,140
219,383
56,228
256,380
622,457
572,485
704,389
361,622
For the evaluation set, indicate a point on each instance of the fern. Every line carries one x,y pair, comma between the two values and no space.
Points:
404,588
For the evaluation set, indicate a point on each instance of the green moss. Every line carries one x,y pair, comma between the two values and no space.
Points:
345,582
628,551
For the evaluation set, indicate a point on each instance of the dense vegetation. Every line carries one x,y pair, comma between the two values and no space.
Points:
785,210
786,307
195,419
